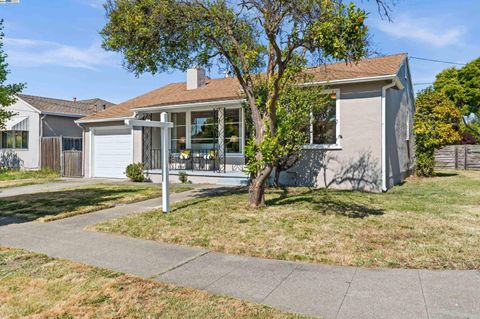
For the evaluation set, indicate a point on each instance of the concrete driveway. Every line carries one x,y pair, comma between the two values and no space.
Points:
54,186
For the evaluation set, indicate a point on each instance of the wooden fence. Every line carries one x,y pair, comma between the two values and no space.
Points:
50,153
62,154
458,157
72,163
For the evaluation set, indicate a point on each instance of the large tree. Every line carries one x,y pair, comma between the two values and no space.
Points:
274,37
7,91
435,125
462,86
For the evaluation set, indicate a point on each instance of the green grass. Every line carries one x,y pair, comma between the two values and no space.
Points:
23,178
48,206
425,223
33,285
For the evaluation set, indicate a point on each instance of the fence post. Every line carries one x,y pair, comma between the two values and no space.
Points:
456,157
465,163
62,172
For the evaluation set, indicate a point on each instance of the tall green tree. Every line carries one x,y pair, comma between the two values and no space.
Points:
462,86
247,37
435,125
7,91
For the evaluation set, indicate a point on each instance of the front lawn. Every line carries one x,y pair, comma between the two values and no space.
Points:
425,223
23,178
54,205
36,286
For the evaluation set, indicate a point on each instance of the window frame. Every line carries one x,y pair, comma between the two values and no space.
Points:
14,140
337,145
241,136
189,124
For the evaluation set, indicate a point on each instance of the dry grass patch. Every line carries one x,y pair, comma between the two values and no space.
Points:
37,286
54,205
23,178
425,223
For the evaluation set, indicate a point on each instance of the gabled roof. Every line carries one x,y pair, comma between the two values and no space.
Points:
59,106
224,89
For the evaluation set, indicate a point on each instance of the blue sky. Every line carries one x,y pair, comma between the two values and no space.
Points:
54,45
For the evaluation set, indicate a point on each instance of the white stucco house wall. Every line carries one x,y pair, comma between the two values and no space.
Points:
364,142
35,117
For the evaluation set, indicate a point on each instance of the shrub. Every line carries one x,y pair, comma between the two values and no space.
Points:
183,177
135,172
9,161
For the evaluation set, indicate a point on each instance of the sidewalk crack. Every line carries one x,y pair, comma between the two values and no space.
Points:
183,263
281,282
423,294
346,293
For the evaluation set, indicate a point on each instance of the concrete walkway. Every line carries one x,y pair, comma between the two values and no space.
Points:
311,289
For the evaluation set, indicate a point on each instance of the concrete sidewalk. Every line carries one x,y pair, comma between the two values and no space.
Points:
311,289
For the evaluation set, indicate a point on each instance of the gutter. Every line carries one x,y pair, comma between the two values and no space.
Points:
395,82
64,114
104,120
354,80
188,105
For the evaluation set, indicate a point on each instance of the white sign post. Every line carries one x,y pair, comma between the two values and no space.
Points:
164,125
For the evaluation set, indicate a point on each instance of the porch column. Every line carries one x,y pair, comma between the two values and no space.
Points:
147,143
221,138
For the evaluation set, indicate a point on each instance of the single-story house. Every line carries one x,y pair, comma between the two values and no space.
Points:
36,117
362,140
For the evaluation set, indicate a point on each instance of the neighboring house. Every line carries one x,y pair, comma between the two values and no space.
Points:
362,140
36,117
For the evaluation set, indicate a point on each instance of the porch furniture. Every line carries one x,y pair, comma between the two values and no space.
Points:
210,159
184,159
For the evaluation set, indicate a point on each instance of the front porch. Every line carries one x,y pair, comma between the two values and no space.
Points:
207,144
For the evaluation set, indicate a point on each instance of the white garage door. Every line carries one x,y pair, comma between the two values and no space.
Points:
112,152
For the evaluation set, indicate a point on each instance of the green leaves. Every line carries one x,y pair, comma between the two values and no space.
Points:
7,91
462,86
435,124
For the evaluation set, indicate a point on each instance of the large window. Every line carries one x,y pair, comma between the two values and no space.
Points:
233,130
324,124
14,139
179,131
204,130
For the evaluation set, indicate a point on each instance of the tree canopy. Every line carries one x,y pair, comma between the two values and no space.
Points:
276,38
435,125
462,86
7,91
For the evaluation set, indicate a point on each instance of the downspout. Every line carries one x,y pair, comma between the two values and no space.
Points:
42,117
384,134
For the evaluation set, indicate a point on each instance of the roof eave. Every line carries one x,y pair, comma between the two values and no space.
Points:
64,114
109,119
353,80
187,105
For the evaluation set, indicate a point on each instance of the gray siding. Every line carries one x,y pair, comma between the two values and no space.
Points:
399,141
357,164
53,125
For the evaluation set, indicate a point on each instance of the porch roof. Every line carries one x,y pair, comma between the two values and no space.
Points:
227,89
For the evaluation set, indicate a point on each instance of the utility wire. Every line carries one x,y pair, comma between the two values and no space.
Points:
423,83
437,61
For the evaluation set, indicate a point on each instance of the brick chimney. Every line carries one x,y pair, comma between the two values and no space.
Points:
195,78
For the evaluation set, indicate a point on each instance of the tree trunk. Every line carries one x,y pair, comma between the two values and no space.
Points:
256,192
276,178
256,195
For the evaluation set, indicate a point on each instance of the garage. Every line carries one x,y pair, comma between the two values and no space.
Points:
112,152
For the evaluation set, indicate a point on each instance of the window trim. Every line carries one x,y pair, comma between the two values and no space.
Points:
15,148
337,145
189,125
